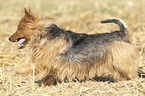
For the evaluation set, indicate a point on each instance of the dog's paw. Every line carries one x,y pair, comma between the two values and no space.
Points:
22,71
47,81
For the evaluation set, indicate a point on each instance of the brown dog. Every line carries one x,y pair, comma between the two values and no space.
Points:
66,55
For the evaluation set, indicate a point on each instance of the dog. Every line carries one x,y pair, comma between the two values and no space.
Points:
66,55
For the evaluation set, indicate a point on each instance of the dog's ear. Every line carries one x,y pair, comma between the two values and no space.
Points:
26,12
30,10
29,13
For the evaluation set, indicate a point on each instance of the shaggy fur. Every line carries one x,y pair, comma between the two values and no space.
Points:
66,55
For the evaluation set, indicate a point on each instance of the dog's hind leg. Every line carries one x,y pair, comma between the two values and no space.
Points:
124,61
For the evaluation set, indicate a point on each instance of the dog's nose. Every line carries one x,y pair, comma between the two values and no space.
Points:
12,40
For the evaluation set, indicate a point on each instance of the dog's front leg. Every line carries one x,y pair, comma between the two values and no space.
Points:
48,80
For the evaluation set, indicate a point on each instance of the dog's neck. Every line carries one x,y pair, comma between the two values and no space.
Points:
44,49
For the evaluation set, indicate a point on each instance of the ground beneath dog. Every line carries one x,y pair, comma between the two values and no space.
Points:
14,84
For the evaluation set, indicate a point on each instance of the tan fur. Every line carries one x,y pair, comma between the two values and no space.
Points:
124,61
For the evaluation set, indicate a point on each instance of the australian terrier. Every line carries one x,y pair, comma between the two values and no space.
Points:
66,55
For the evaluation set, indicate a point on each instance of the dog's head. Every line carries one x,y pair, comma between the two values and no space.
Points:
25,29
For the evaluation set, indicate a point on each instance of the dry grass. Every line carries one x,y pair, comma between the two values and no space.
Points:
79,16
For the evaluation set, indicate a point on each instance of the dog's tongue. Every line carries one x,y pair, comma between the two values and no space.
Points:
20,42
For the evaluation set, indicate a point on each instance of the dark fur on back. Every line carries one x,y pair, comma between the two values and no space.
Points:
87,48
84,47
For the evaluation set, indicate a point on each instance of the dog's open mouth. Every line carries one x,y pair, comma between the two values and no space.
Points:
21,42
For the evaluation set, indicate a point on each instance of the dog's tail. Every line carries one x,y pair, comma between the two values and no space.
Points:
121,23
